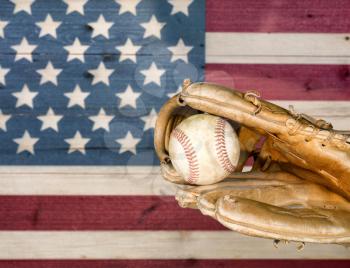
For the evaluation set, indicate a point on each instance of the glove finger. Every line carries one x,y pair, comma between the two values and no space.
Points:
274,193
186,198
278,194
170,174
194,196
260,219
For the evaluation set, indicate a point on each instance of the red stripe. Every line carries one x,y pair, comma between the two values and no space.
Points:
322,16
99,213
176,263
285,82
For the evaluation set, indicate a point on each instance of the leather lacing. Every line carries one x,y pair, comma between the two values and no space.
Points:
253,97
316,125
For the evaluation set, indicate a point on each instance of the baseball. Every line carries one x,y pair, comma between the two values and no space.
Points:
204,149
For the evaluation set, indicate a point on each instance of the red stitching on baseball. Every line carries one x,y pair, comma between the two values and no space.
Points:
220,146
190,154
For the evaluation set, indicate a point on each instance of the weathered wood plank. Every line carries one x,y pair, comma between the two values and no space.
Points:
98,95
72,213
279,48
285,82
84,180
291,48
153,245
78,180
278,16
77,25
185,263
276,59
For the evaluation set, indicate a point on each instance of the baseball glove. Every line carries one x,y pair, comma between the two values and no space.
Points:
299,186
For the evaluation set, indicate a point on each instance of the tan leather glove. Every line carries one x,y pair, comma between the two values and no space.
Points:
299,186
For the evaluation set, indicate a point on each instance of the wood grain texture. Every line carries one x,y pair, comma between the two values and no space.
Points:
79,180
74,213
277,59
188,263
84,181
277,16
77,25
87,180
285,82
153,245
74,72
278,48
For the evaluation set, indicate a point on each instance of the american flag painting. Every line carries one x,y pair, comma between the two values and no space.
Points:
81,83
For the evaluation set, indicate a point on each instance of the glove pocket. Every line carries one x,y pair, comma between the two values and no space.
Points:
302,224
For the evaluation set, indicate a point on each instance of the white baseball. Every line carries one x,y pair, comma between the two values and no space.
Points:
204,149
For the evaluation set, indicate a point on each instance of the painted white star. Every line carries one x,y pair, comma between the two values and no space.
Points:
128,50
180,6
128,6
152,27
26,143
180,51
77,97
24,50
3,120
75,5
153,74
77,143
100,27
128,143
22,5
49,74
150,120
25,97
50,120
128,97
76,50
101,120
3,24
101,74
172,94
3,72
48,26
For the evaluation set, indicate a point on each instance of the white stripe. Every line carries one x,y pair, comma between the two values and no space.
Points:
278,48
153,245
78,180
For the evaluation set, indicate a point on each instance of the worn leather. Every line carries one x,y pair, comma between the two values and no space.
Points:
307,158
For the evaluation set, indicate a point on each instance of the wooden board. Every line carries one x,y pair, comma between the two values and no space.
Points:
294,52
153,245
308,16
